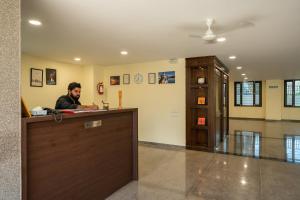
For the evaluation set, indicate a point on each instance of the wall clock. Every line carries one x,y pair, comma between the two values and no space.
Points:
138,78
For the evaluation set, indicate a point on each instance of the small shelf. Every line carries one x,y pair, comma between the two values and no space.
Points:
199,86
200,127
204,106
199,67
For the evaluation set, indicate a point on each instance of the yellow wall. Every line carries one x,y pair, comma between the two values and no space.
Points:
47,95
274,99
161,107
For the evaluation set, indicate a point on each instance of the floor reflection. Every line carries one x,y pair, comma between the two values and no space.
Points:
252,144
243,143
292,148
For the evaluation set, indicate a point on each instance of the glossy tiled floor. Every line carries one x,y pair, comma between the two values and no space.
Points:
278,140
184,174
178,174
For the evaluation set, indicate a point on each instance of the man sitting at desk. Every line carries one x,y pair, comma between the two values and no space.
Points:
71,100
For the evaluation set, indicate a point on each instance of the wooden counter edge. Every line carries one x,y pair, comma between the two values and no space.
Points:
76,115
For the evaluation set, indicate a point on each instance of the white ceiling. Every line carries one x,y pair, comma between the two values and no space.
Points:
97,30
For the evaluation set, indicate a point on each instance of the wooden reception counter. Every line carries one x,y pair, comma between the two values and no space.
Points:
85,156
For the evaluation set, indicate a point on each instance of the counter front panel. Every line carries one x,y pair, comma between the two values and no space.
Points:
83,157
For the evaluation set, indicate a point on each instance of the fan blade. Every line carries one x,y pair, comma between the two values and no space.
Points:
195,36
237,25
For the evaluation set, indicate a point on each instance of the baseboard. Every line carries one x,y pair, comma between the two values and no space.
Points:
245,118
162,145
290,120
262,119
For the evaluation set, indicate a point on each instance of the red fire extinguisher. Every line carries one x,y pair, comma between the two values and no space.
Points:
100,88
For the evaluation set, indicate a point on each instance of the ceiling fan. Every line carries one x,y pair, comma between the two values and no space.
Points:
209,35
214,32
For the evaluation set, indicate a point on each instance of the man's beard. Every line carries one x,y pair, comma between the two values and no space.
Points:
75,97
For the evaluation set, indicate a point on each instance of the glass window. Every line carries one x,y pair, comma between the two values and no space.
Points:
248,93
297,93
257,93
292,93
238,94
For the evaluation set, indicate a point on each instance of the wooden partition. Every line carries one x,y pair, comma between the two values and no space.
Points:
206,102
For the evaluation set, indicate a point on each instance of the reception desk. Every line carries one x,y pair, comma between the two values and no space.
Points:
83,156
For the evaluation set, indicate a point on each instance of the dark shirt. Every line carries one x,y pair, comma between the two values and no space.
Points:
66,102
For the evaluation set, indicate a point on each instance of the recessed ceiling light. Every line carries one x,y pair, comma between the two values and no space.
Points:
124,52
239,67
35,22
246,78
221,39
243,74
232,57
77,59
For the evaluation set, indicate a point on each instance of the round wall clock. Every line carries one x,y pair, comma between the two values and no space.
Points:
138,78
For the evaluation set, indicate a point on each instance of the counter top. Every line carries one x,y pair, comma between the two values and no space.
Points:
76,115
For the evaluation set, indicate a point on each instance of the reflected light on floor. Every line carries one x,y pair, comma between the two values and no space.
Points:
243,181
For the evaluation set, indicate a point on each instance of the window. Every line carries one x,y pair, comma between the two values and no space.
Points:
247,93
292,93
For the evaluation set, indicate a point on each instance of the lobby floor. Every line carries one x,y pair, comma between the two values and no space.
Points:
278,140
178,174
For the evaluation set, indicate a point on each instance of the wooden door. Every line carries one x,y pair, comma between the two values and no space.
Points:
225,102
219,106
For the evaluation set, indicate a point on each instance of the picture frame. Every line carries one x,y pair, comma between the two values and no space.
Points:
50,76
114,80
167,77
201,121
201,100
126,79
151,78
36,77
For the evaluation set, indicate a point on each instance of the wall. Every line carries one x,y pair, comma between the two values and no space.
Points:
10,130
47,95
161,107
274,100
272,107
246,112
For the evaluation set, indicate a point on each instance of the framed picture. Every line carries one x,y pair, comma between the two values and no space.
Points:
201,100
201,121
36,77
166,77
151,78
50,76
115,80
126,78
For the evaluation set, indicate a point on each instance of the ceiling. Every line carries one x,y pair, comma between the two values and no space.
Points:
264,35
